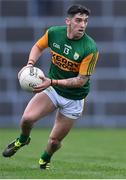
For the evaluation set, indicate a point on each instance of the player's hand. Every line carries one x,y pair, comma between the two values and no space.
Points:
23,69
46,82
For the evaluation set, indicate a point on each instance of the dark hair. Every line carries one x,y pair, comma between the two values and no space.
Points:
78,9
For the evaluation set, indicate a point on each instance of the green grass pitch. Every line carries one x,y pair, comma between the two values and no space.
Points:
86,154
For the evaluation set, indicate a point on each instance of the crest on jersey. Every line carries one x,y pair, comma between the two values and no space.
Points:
76,55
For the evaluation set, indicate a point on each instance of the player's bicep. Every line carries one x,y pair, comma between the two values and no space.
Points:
88,64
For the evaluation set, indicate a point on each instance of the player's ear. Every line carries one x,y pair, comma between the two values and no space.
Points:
67,21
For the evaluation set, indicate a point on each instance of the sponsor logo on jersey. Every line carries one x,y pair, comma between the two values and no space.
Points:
70,47
64,63
67,49
56,45
76,56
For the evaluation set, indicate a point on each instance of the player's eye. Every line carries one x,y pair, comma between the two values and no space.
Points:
86,20
78,20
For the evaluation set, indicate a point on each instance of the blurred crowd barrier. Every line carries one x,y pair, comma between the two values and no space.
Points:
22,23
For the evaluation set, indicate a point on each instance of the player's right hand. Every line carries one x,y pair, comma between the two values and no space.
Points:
29,65
46,82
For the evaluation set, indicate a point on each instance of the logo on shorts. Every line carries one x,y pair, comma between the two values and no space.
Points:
76,114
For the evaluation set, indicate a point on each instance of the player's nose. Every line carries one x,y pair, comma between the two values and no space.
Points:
82,24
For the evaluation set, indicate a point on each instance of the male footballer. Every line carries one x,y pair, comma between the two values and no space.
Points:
74,56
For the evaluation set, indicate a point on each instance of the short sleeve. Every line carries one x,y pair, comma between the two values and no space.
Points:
88,64
42,43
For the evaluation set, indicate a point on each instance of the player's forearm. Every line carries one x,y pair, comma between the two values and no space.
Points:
75,82
34,55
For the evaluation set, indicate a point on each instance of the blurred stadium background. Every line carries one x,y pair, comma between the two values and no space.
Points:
22,22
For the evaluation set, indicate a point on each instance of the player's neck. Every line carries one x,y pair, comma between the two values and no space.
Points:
69,34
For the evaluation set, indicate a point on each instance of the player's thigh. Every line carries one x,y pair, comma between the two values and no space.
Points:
61,127
39,106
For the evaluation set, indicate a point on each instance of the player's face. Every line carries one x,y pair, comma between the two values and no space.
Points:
77,25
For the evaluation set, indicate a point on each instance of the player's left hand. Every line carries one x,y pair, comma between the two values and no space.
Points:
46,82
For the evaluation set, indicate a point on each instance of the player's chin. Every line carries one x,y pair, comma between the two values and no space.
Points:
79,35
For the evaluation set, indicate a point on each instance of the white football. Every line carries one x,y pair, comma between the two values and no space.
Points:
29,78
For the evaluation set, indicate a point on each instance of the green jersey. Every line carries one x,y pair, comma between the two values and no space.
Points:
70,58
